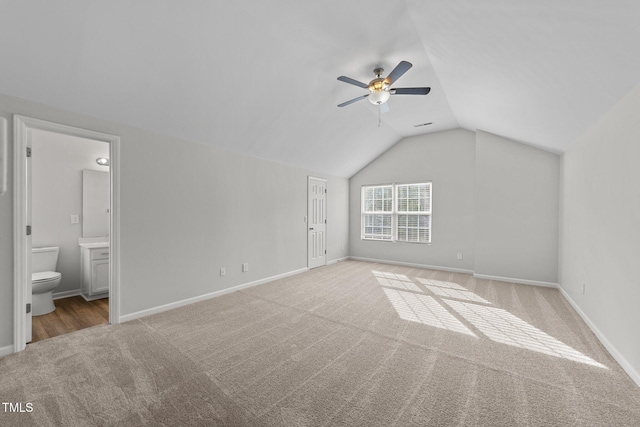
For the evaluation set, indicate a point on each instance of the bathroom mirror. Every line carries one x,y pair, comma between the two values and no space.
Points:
95,203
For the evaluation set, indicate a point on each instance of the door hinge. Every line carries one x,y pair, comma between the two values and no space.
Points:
28,151
325,221
325,251
28,308
325,190
28,230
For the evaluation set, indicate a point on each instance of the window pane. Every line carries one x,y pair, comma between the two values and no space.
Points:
402,191
368,205
378,199
413,228
368,193
377,226
413,197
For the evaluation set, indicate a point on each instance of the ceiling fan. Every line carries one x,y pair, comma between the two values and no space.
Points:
380,88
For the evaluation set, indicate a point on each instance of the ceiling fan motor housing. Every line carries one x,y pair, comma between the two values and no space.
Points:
379,89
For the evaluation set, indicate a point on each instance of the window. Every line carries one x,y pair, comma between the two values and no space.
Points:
377,211
399,212
414,212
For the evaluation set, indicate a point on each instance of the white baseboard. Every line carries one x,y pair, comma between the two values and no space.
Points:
67,294
170,306
520,281
460,270
6,350
635,376
409,264
333,261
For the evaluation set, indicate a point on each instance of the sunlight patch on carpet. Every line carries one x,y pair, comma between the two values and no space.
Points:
503,327
398,284
441,284
495,323
456,294
424,309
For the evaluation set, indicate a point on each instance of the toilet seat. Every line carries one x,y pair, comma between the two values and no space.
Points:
45,276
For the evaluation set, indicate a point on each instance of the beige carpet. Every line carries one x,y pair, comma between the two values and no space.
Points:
353,344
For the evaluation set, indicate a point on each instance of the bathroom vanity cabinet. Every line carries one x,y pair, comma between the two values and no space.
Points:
95,270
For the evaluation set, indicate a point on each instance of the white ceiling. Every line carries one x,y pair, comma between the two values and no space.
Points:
259,77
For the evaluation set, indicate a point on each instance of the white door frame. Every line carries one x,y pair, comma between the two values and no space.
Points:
22,127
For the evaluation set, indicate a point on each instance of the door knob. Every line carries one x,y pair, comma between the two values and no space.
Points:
310,228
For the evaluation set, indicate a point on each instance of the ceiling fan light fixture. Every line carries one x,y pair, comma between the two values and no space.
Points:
380,88
377,98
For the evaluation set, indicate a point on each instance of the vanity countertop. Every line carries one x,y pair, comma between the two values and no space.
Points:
97,245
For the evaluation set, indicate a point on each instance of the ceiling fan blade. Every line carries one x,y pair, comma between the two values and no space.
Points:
353,82
344,104
397,72
410,91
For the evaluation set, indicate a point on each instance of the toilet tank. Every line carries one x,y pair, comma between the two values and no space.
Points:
44,259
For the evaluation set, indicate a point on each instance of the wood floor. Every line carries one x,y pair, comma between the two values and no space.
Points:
72,314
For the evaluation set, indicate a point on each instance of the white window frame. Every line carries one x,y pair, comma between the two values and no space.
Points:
379,213
366,231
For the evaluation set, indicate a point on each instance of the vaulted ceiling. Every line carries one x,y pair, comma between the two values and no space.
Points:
259,77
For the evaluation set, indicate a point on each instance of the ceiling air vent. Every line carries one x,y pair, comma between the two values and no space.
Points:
422,124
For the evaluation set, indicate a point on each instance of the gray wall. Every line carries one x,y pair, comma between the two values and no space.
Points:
494,200
447,159
516,210
600,228
187,210
57,163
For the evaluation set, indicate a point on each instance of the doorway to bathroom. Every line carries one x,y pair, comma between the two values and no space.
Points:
66,227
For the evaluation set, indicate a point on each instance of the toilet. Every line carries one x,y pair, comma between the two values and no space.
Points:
44,279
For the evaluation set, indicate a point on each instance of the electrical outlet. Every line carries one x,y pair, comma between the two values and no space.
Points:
245,267
223,271
460,255
75,219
